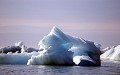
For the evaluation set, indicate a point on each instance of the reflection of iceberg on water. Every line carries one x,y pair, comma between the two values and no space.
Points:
56,48
61,49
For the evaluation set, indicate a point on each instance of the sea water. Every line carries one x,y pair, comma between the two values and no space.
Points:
107,68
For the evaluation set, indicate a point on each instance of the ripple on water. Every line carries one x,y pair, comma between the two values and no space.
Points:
107,68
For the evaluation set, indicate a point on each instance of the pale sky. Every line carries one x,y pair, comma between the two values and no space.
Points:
30,20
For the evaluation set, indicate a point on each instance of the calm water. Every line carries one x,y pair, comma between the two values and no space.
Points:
107,68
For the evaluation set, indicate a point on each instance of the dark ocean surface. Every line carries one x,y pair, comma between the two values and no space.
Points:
107,68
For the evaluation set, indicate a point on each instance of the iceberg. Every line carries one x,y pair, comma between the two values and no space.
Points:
19,47
58,48
112,54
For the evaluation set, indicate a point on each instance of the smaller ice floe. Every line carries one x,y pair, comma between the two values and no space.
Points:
112,54
19,47
58,48
12,49
16,58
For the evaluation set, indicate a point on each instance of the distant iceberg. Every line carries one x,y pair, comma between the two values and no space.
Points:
112,54
18,48
12,49
58,48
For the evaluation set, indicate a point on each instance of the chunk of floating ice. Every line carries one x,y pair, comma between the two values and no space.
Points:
112,53
12,49
61,49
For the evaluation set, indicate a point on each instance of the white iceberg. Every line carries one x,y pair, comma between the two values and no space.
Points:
112,54
58,48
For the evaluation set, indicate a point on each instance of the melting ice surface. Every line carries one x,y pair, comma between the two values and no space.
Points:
57,48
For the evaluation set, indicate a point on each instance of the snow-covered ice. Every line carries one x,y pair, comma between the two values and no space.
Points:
112,54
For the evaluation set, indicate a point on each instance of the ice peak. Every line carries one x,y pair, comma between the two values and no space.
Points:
56,31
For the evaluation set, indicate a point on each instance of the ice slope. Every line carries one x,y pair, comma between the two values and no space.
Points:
58,48
112,54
